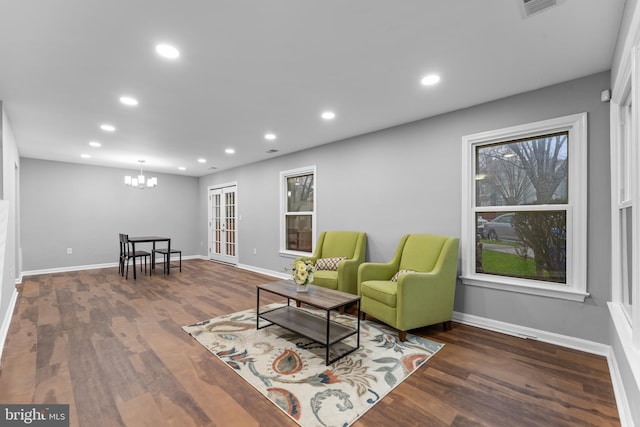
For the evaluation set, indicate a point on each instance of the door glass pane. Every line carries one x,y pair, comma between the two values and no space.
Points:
525,172
299,233
230,222
523,244
217,224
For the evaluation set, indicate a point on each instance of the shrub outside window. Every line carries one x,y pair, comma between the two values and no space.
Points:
524,208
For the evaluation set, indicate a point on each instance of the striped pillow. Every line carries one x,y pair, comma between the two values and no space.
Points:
328,263
395,276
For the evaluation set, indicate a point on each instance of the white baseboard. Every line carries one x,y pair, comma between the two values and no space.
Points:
93,266
279,275
531,333
6,322
624,410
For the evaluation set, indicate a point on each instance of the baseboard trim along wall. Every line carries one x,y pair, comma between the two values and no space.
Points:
6,322
89,267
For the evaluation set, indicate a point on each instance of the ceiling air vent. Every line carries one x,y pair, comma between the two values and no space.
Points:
531,7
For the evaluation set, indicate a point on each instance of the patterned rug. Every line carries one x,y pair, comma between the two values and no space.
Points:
290,370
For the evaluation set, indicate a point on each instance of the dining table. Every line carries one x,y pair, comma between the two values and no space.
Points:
153,240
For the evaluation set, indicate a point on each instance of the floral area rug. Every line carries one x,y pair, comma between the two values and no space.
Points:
290,370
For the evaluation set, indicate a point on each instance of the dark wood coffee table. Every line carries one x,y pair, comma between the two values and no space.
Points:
319,329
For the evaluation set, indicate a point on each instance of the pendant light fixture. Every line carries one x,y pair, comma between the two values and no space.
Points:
140,181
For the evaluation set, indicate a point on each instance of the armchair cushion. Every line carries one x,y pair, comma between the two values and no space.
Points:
329,263
383,291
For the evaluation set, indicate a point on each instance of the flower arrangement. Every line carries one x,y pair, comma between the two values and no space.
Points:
302,272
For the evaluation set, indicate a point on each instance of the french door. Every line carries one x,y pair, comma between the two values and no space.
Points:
223,232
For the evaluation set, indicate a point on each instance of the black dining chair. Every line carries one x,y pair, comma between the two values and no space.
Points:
121,258
129,254
166,256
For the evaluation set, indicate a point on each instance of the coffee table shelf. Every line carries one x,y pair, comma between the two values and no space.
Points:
317,328
308,325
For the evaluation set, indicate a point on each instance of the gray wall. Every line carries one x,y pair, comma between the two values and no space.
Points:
82,207
407,179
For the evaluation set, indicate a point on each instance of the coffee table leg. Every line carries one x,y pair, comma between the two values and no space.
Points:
327,341
258,309
358,335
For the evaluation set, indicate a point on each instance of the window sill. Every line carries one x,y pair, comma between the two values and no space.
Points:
294,254
551,291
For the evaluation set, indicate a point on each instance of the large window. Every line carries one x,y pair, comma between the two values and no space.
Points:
624,189
298,210
525,208
623,159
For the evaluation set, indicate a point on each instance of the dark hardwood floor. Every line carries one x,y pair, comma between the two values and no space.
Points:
114,350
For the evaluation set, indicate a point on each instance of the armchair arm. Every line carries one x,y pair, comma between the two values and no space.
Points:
348,275
348,268
424,299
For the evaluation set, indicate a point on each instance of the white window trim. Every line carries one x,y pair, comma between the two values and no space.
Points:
627,84
283,208
576,287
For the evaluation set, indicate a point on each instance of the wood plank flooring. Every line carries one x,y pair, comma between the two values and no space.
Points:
114,350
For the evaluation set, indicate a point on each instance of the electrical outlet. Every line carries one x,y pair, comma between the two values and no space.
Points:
69,251
255,251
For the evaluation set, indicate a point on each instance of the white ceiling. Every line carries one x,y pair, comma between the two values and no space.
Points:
248,67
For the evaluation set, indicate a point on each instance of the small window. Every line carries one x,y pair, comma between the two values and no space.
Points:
524,215
298,211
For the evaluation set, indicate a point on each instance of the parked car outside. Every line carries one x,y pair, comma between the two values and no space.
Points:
480,225
501,228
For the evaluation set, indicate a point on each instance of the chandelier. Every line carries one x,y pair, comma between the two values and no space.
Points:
140,181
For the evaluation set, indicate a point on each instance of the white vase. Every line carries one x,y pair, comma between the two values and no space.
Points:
302,287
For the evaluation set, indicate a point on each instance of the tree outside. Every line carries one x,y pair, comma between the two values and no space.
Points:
529,172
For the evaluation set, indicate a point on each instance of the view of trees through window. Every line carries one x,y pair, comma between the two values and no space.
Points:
527,180
300,207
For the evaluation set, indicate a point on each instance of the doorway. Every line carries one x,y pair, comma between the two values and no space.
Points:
223,231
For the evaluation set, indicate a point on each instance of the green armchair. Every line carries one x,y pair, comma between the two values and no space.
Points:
352,246
425,266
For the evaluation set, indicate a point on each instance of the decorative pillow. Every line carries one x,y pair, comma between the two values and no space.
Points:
328,263
395,276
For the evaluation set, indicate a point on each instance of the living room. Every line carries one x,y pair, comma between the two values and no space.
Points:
395,180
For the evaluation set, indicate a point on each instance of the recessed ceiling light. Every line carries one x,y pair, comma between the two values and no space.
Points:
328,115
229,151
182,168
430,79
201,160
95,144
85,156
107,127
270,136
127,100
167,51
